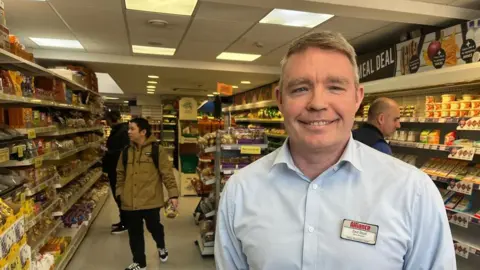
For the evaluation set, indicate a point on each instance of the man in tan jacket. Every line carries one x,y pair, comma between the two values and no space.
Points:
140,187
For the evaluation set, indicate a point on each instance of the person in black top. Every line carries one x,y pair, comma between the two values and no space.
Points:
383,121
116,142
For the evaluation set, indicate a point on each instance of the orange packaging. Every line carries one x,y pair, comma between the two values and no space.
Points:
445,113
429,114
475,112
455,105
463,113
429,99
475,103
434,137
454,113
20,117
465,105
437,114
429,106
448,98
437,106
445,106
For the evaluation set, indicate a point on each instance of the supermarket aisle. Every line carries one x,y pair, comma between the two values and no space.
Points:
101,250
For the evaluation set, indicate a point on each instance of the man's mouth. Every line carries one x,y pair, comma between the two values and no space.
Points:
317,122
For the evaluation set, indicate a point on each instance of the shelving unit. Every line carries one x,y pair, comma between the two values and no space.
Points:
63,181
61,156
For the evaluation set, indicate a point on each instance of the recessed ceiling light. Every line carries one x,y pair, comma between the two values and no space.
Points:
126,101
57,43
177,7
152,50
111,98
245,82
209,95
153,76
295,18
152,82
216,93
238,56
151,86
150,93
235,86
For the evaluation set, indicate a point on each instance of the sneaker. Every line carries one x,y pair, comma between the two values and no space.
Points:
135,266
119,230
163,254
116,225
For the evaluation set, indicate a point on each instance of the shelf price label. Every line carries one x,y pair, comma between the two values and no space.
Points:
250,150
38,162
31,133
462,153
459,219
4,154
461,187
461,250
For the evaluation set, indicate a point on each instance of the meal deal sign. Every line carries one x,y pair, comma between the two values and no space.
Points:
456,45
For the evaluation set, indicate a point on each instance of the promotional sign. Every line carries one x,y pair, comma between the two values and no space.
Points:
456,45
188,109
224,89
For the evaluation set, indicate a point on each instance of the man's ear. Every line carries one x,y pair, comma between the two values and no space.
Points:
381,118
359,95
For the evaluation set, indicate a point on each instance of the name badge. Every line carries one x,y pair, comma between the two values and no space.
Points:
359,232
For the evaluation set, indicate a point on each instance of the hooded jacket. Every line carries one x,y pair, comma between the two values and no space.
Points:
140,186
116,142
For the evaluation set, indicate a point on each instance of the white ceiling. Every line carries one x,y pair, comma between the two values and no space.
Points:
107,30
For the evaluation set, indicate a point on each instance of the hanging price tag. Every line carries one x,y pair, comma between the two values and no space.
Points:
38,162
4,155
421,119
31,133
250,150
459,219
461,250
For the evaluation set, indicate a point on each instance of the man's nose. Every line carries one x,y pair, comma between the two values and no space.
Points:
318,99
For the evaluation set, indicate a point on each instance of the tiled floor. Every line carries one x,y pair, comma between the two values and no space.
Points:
103,251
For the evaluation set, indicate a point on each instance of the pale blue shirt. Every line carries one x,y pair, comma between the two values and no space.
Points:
272,217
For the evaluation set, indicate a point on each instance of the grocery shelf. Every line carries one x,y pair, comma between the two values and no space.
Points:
31,222
463,240
65,180
437,147
61,132
204,250
45,237
210,149
422,120
256,105
40,187
239,146
473,218
239,120
169,148
76,150
169,124
168,140
79,194
169,116
28,162
11,61
78,234
437,178
283,136
6,99
38,130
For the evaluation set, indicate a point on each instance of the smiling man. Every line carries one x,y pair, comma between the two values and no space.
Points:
324,200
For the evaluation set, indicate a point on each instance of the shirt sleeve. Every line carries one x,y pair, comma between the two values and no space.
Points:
431,245
383,147
228,249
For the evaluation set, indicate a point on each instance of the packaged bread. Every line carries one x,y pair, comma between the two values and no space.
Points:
445,106
424,136
448,98
454,105
450,138
465,105
434,137
475,103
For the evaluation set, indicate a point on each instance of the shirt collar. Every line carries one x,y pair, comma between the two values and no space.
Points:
350,155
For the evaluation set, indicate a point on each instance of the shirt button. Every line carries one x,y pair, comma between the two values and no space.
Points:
314,186
311,229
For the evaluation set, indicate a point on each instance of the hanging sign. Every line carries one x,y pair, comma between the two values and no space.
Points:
188,109
224,89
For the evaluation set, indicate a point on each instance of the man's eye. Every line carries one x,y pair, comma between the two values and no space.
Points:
300,89
336,88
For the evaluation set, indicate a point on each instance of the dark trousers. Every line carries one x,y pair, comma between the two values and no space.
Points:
112,177
135,232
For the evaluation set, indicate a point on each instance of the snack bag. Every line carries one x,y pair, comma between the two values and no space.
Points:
170,211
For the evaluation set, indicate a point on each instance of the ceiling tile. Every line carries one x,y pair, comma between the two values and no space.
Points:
271,36
141,33
216,31
105,24
274,57
200,50
472,4
350,26
227,12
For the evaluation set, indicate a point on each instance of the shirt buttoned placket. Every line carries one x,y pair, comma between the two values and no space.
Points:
313,234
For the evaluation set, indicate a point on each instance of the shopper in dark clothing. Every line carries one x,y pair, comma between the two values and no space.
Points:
383,121
116,142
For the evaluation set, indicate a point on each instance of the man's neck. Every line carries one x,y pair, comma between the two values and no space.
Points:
141,142
375,125
315,163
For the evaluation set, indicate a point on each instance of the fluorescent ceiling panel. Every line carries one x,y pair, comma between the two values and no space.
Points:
235,86
152,50
177,7
151,86
152,82
247,57
110,98
153,76
245,82
295,18
57,43
107,85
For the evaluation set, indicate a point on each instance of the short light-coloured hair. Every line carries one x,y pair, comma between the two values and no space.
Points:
379,106
325,40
